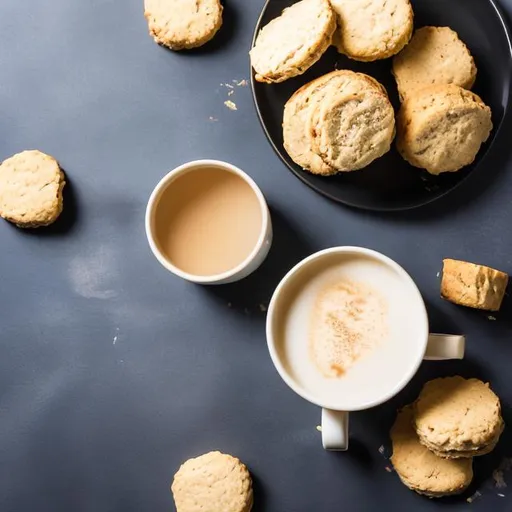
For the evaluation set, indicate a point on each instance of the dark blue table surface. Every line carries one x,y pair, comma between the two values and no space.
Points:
112,371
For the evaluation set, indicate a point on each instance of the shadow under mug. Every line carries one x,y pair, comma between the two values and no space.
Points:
335,414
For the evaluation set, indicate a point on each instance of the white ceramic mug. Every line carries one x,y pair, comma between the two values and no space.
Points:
408,351
251,263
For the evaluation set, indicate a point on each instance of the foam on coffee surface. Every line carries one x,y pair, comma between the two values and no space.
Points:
348,320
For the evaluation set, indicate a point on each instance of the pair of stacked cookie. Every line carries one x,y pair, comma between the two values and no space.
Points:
435,439
341,121
441,124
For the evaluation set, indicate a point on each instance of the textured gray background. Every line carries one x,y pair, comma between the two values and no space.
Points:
112,372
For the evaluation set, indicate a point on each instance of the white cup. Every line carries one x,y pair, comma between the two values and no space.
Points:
246,267
336,406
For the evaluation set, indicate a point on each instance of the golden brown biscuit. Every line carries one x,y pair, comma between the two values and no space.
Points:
183,24
435,55
290,44
31,185
213,482
441,128
456,417
372,30
473,286
419,468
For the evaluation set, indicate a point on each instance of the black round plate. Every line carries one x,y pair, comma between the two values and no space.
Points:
390,183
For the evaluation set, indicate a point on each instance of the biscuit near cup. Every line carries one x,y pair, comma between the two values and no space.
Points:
213,482
458,418
291,43
31,185
473,286
435,55
182,25
369,31
421,470
442,128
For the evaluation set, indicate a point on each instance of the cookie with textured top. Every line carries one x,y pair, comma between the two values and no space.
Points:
300,108
353,127
441,128
435,55
457,418
31,185
420,469
291,43
211,483
372,30
183,24
473,286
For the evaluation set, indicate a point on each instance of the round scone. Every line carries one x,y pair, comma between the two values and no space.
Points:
211,483
372,30
353,128
435,55
441,128
31,185
420,469
300,107
183,24
290,44
457,418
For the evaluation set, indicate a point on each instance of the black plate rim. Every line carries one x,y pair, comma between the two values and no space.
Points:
304,179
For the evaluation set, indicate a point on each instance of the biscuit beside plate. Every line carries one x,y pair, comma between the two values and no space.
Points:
183,24
435,55
420,469
291,43
372,30
31,185
213,482
456,417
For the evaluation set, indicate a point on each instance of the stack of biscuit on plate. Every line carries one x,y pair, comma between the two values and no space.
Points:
347,124
340,122
435,439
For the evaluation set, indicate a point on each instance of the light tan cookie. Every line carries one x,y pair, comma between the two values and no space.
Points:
420,469
31,185
183,24
372,30
298,110
435,55
456,417
441,128
290,44
473,286
352,129
213,482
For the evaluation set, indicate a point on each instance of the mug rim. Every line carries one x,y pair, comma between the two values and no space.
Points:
162,186
271,342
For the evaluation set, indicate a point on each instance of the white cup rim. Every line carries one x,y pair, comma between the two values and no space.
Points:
166,182
271,342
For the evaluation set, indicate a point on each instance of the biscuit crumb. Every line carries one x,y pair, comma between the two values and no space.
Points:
263,308
388,469
474,497
230,105
319,428
242,83
438,274
229,86
230,93
501,495
381,450
490,317
213,119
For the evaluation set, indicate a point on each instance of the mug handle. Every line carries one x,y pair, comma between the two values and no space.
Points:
335,423
445,346
335,430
